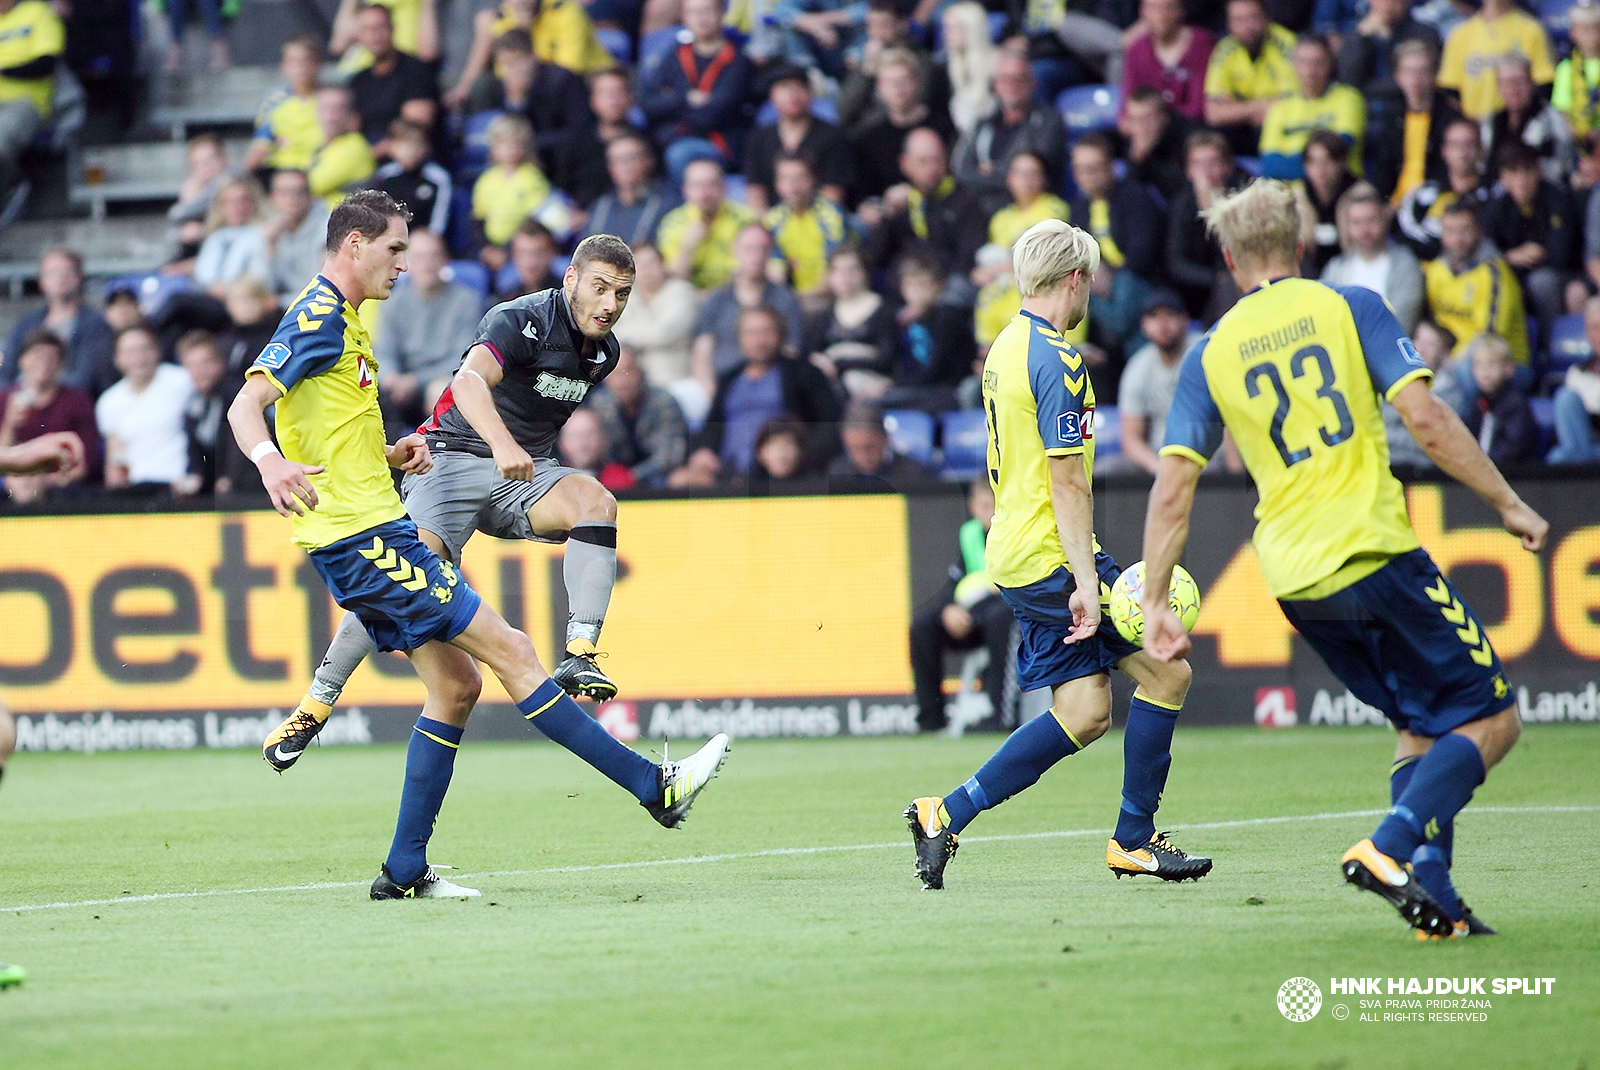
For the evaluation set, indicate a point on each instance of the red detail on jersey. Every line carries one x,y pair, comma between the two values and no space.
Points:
490,347
1088,424
447,402
364,371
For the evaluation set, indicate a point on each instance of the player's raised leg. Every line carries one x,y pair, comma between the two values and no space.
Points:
583,512
666,791
1136,847
1081,715
453,683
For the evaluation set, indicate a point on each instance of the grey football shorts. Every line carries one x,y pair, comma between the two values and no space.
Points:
463,493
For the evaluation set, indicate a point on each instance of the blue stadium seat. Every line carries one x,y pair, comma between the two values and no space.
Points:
469,273
153,290
1250,165
1544,414
458,235
965,439
1085,108
1555,16
616,42
1107,431
823,108
735,188
474,156
506,278
997,25
1569,344
657,43
911,433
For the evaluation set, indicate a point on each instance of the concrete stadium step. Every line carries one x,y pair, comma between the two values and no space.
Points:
203,98
151,171
117,246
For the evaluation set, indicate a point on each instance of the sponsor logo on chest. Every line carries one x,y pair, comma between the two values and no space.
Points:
560,388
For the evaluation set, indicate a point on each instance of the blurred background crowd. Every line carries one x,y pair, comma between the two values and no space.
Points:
821,196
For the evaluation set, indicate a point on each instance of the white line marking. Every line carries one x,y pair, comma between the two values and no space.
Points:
772,852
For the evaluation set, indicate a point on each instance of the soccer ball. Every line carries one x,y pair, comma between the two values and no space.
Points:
1125,612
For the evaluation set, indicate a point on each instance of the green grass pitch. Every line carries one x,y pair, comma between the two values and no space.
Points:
828,956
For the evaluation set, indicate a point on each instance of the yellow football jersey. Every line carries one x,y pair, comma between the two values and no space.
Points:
290,123
1483,297
1475,46
503,200
712,263
1040,404
1233,73
29,31
321,358
807,239
1294,370
1291,121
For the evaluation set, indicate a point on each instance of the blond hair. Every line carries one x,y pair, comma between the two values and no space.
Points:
511,128
1491,346
1259,225
1048,252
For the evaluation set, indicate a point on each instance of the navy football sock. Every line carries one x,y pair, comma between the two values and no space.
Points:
430,759
1431,861
563,720
1018,764
1442,784
1146,758
1399,778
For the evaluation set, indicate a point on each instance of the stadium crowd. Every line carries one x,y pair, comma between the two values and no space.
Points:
822,196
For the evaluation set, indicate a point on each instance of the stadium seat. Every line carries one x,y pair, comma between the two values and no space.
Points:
1085,108
153,290
656,44
965,438
1250,165
459,233
997,25
911,433
735,188
474,155
1107,431
1544,414
469,273
822,108
1569,344
616,42
1554,14
506,278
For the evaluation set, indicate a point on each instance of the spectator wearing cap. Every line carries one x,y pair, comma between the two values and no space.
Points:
643,423
1422,211
1575,93
1154,138
1473,50
1577,401
1533,221
797,130
1127,223
39,403
1150,378
696,238
88,342
637,201
1169,59
1318,103
394,85
1020,124
869,458
1249,71
1405,136
695,96
901,106
553,99
1527,117
928,210
1371,259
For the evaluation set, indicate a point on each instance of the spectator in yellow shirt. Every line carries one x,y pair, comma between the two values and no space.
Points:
1576,90
806,227
1318,104
1249,70
1028,182
1470,288
696,238
31,40
287,132
1473,49
561,31
416,31
512,190
345,159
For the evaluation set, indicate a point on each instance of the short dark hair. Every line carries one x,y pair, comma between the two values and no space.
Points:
795,156
66,251
363,8
1210,139
137,328
1465,206
864,414
1517,156
607,249
1100,140
194,340
406,130
366,212
516,41
1317,40
1149,94
613,72
919,261
532,228
1337,148
1432,324
43,337
307,41
773,316
291,171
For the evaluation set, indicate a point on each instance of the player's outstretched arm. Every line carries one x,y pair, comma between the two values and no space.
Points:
1448,443
472,388
285,480
1073,501
59,451
1166,532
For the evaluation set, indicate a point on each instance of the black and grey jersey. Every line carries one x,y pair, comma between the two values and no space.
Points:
546,376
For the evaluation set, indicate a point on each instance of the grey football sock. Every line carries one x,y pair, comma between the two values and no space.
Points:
350,647
590,570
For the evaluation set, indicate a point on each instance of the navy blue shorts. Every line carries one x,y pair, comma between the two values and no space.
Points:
1045,618
1403,640
397,587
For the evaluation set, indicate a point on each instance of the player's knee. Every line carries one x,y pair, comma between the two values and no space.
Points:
1094,726
596,503
462,691
1174,682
